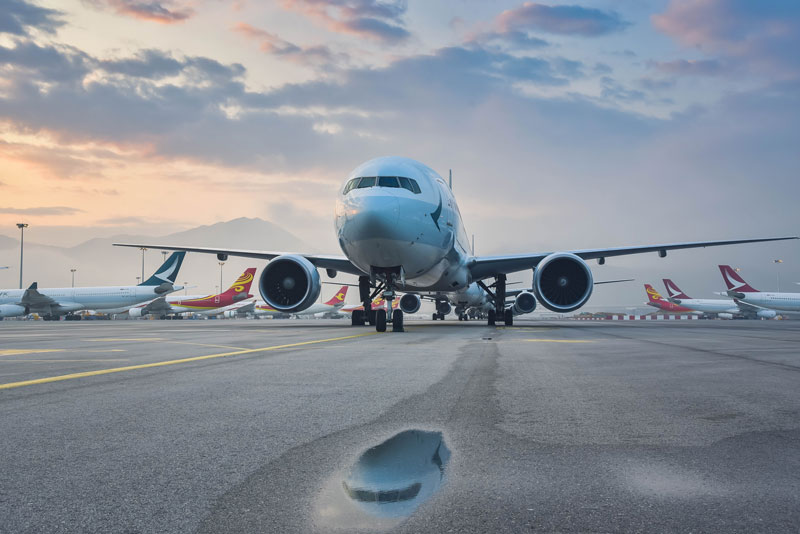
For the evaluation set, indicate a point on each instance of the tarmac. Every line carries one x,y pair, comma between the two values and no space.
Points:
317,426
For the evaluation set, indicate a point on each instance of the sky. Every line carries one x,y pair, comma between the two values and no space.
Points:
566,125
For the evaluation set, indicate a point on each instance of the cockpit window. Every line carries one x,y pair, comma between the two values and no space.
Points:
388,181
367,181
350,185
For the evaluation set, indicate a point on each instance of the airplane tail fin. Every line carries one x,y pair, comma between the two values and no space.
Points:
734,281
168,272
242,284
339,297
652,294
673,291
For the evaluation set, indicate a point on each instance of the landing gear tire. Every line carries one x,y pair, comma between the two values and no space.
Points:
492,317
435,316
509,317
397,321
380,320
358,318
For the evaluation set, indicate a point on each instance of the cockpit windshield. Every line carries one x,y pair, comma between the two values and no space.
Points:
395,182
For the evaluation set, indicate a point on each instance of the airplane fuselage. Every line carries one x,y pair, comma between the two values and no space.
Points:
774,301
708,305
101,298
415,230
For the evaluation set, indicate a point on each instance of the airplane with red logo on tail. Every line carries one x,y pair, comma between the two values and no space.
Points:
327,309
174,305
747,294
721,308
655,300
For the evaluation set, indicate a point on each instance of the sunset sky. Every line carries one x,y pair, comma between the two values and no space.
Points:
566,125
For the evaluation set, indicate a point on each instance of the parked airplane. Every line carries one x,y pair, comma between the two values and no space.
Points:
328,309
655,300
400,228
722,308
164,307
744,292
52,303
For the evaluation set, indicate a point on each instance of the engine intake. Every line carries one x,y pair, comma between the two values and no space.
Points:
290,283
766,314
562,282
410,303
524,303
443,307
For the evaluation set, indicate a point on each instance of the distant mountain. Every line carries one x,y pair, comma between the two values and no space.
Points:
97,262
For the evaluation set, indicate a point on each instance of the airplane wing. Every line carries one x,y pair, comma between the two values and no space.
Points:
337,263
747,307
36,302
488,266
157,305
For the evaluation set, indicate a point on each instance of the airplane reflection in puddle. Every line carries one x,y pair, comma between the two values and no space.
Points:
387,483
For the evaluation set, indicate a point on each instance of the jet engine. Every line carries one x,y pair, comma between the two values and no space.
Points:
11,310
290,283
562,282
766,314
229,314
410,303
443,307
135,313
725,316
524,303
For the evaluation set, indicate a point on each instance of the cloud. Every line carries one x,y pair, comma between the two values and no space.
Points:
45,210
374,19
18,16
689,67
763,36
163,12
270,43
155,64
563,19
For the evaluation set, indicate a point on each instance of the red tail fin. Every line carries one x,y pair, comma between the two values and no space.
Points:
652,294
242,284
338,298
673,291
734,281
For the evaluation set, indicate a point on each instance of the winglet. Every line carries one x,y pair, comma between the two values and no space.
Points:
673,291
734,281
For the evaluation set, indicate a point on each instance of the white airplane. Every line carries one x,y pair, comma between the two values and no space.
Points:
400,228
722,308
52,303
743,292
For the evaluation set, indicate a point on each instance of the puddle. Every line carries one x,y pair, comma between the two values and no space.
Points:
386,484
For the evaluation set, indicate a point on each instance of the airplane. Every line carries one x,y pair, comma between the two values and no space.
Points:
400,229
52,303
164,307
745,293
655,300
328,309
722,308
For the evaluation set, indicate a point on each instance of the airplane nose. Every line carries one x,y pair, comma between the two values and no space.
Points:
373,217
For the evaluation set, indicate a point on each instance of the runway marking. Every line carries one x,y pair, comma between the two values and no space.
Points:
206,345
69,361
17,352
560,340
126,339
173,362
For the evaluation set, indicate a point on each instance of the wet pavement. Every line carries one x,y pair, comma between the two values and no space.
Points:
294,426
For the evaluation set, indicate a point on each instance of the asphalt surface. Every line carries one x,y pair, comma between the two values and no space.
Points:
245,426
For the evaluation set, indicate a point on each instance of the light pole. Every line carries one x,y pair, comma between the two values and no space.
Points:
142,249
164,256
185,288
777,274
137,280
73,276
21,227
220,274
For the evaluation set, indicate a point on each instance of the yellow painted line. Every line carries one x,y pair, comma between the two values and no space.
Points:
127,339
560,340
173,362
17,352
206,345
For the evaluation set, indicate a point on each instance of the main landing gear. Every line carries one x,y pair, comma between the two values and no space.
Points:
499,296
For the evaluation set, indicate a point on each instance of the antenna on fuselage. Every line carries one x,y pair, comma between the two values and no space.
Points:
451,179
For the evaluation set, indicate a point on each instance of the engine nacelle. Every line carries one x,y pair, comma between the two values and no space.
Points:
443,307
562,282
135,313
766,314
524,303
11,310
410,303
290,283
725,316
229,314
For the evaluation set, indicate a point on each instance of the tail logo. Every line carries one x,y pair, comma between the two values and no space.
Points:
339,296
655,295
238,285
166,274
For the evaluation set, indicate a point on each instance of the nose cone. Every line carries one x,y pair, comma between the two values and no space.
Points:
371,215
